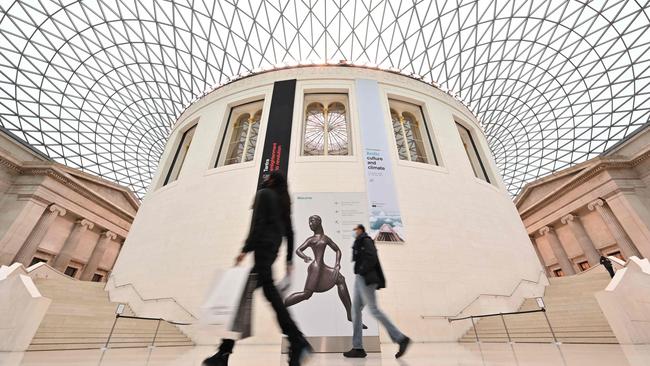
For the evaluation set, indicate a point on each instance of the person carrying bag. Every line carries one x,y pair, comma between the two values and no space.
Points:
270,222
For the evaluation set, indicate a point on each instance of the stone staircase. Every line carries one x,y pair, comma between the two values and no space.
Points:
571,308
81,317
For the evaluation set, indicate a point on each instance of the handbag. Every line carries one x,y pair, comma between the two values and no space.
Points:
229,303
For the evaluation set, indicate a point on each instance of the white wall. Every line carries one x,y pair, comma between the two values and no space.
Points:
22,308
626,302
464,235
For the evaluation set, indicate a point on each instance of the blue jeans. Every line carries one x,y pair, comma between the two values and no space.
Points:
365,296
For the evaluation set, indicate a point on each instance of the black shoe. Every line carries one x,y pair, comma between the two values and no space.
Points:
219,359
355,353
299,352
403,346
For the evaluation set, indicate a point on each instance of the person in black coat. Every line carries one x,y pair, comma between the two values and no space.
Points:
369,277
270,222
607,263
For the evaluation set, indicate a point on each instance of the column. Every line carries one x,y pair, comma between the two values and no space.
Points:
539,255
64,257
634,216
27,214
579,232
562,258
627,247
96,256
37,234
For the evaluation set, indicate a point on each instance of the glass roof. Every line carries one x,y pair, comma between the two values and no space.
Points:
97,84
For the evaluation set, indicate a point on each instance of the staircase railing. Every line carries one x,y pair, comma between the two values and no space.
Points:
155,336
541,275
505,326
144,300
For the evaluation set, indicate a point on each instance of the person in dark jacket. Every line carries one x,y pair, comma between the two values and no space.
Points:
369,277
608,265
270,222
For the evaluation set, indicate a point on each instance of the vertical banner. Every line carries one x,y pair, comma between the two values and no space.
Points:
275,154
384,214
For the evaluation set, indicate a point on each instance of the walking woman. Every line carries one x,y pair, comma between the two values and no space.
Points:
270,222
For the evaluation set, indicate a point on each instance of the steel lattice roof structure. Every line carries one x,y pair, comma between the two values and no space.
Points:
98,84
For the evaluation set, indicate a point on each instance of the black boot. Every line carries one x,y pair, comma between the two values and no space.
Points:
355,353
221,358
299,352
218,359
403,346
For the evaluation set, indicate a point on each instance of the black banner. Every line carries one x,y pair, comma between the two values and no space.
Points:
275,155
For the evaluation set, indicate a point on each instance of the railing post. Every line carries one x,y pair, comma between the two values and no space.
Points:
549,326
475,331
505,327
110,335
155,334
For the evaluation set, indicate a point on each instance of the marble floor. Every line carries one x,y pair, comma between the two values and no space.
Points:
429,354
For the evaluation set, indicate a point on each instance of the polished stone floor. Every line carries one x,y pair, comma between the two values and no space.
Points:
430,354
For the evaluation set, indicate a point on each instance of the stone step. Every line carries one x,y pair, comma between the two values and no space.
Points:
601,332
114,338
81,316
572,310
563,327
543,340
97,345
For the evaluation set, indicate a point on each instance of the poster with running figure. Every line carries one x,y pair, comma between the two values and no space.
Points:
323,279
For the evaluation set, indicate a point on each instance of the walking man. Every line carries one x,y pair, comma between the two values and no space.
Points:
369,277
271,221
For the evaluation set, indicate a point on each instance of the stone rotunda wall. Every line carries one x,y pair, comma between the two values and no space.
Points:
465,249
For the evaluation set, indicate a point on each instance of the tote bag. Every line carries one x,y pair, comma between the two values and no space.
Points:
229,303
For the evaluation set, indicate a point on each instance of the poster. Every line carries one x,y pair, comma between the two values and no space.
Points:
385,219
320,293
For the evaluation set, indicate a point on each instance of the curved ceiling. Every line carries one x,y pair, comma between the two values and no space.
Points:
97,84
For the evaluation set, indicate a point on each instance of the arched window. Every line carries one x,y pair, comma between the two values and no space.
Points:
411,133
314,141
180,155
399,135
326,130
243,130
473,155
413,136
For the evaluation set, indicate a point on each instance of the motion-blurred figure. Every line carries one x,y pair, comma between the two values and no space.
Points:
369,278
270,222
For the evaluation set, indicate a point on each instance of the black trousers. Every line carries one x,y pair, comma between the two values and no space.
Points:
262,269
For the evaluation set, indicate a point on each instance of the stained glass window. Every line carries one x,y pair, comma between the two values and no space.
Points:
412,136
244,126
326,130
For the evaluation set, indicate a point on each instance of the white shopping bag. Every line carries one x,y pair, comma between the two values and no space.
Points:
283,286
223,301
